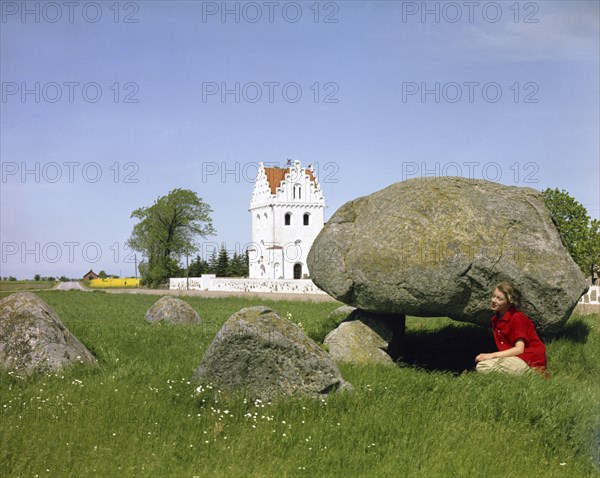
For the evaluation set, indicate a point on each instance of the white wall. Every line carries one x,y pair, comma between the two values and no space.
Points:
592,296
227,284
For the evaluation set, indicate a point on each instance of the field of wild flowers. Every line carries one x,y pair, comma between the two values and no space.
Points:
139,413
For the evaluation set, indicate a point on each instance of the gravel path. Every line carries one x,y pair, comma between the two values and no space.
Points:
70,286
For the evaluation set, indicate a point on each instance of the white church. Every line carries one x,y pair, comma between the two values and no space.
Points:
287,208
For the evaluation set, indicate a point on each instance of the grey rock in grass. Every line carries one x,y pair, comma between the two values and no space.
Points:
33,338
434,247
340,314
362,338
260,354
173,310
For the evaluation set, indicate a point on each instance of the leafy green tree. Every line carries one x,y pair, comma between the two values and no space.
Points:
167,231
222,262
37,277
594,240
102,274
579,232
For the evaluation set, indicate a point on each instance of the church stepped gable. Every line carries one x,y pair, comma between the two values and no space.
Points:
276,175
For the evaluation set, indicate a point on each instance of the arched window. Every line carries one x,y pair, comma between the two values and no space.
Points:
288,218
297,271
297,191
306,220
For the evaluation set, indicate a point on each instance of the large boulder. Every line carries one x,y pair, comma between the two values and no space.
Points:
173,310
33,338
259,353
362,338
438,246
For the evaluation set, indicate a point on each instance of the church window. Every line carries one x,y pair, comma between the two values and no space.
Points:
297,271
297,191
288,218
306,219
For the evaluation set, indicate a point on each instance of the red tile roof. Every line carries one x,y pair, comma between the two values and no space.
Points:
276,175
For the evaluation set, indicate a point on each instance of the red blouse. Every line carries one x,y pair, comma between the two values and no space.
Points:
515,325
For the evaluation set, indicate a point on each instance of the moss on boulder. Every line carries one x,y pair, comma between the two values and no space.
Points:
261,354
33,338
173,310
433,247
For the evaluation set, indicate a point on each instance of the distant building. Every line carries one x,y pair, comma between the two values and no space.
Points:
287,214
90,275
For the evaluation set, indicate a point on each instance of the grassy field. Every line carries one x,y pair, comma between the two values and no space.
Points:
139,414
25,285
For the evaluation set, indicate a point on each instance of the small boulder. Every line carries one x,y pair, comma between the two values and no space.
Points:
438,246
173,310
261,354
340,314
362,338
33,338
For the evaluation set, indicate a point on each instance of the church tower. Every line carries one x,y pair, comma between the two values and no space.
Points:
287,214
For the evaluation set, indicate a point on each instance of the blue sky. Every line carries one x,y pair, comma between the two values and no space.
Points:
389,90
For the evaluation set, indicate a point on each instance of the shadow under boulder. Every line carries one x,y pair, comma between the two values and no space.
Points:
452,348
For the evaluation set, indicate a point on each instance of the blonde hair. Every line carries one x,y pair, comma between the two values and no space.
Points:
513,295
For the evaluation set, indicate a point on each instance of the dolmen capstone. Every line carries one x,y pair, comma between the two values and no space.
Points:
258,353
172,310
434,247
33,338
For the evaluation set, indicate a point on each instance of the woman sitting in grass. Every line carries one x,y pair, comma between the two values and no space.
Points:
519,346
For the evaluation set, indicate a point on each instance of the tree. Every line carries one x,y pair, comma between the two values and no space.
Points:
222,262
198,267
102,274
237,266
579,232
37,277
167,231
212,262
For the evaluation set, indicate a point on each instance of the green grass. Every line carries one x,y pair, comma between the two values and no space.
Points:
139,414
25,285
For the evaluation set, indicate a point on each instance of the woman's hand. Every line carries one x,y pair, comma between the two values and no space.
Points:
482,357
